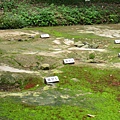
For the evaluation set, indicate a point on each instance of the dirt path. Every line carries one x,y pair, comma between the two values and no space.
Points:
104,31
11,33
11,69
54,47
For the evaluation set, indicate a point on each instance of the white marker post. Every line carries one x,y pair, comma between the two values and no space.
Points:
69,61
117,41
53,79
45,36
118,54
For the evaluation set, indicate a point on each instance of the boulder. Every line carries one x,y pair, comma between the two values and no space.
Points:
78,44
68,42
7,79
85,43
94,46
45,66
85,46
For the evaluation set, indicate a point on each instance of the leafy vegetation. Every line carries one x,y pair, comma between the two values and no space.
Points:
19,15
73,2
91,56
9,81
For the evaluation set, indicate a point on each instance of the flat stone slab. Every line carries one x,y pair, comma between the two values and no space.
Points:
45,36
52,79
117,41
11,69
69,61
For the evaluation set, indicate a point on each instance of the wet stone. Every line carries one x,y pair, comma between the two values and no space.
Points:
69,61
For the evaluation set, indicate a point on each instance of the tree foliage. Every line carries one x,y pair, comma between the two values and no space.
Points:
37,13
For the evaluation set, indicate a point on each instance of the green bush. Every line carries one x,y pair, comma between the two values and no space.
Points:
10,21
22,14
91,56
8,4
73,2
44,18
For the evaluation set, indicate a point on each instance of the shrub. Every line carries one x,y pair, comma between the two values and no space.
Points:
73,2
91,56
44,18
23,14
11,21
7,5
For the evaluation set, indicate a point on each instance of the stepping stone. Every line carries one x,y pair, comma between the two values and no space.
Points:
69,61
53,79
117,41
45,36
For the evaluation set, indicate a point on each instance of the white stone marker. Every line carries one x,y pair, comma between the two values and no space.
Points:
117,41
52,79
118,54
45,36
87,0
69,61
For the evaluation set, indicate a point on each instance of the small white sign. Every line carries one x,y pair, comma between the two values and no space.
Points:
69,61
118,54
87,0
117,41
52,79
45,36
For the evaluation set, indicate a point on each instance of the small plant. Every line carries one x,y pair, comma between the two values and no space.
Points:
29,85
91,56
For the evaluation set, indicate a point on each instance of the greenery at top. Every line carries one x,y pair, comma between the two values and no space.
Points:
72,2
19,14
